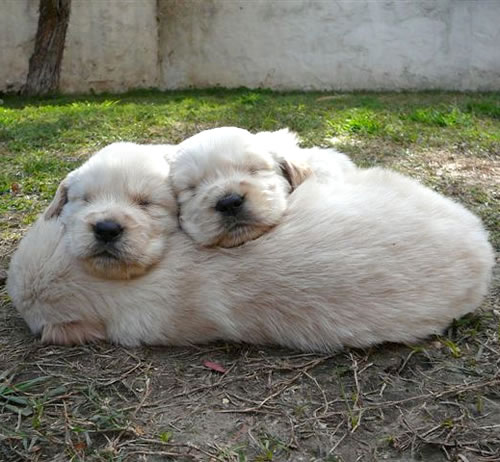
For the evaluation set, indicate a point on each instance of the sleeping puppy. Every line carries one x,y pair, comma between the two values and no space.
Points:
112,216
108,224
117,232
382,259
233,186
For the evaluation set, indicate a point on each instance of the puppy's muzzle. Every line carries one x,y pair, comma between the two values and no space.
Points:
230,205
107,231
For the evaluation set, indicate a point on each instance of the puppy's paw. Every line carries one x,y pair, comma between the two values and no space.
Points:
73,333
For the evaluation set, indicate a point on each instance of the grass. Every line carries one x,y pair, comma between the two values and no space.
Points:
434,401
41,140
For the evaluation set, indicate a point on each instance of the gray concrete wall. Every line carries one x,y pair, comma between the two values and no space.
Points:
18,21
111,45
323,45
115,45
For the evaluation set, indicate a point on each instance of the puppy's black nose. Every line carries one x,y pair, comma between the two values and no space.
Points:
230,205
107,230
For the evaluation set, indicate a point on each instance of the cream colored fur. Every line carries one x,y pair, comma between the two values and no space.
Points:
125,183
263,169
381,259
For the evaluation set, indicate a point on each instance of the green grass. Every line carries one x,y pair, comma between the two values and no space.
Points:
43,139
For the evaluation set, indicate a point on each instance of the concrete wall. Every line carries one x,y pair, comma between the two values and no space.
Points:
111,45
452,44
115,45
18,21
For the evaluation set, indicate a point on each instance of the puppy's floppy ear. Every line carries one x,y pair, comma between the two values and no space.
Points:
73,333
57,204
295,173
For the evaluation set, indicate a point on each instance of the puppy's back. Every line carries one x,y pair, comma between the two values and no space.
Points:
382,259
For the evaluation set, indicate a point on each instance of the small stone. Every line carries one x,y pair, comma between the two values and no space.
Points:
437,344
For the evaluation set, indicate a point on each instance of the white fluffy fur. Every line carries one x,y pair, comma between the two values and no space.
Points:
263,168
381,259
128,184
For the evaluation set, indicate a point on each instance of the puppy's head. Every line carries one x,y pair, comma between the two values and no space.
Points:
117,210
232,186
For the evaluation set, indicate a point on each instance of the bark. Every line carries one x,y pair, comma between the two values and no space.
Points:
45,63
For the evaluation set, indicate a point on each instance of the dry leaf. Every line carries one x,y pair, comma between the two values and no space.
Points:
15,188
214,366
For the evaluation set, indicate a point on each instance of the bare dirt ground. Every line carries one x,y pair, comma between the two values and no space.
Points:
436,401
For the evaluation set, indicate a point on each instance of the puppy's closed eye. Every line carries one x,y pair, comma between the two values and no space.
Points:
142,201
259,166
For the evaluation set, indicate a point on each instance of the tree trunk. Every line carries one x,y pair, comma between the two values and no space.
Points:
45,63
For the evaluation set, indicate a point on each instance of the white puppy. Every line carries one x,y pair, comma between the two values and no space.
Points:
116,208
382,259
233,186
